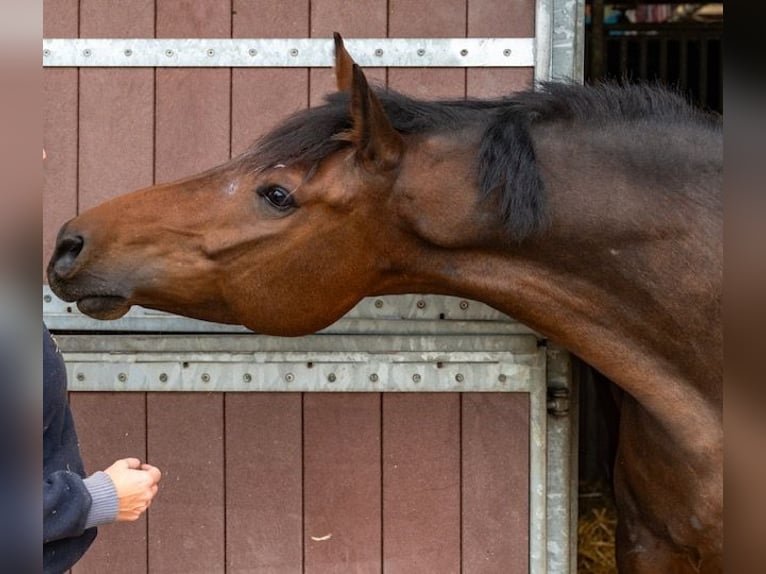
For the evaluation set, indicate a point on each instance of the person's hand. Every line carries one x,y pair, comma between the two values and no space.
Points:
136,485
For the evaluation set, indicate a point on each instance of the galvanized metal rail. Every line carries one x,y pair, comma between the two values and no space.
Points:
287,52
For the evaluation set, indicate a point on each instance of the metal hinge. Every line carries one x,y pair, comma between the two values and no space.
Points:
558,401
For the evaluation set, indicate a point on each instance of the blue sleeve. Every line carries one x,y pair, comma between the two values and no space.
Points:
66,502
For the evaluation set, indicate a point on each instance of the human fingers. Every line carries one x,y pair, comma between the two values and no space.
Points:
132,462
153,471
123,464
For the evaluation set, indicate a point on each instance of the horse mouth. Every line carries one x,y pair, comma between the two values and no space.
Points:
104,307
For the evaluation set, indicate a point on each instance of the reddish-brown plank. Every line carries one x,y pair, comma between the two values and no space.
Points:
262,97
192,125
60,18
496,483
192,107
498,82
60,133
421,483
116,19
264,480
342,527
116,107
499,19
267,19
185,440
428,19
111,426
194,19
367,19
116,133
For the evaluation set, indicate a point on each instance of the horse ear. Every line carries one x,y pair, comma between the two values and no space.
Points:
378,145
343,65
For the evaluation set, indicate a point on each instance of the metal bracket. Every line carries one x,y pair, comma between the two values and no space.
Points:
558,401
287,52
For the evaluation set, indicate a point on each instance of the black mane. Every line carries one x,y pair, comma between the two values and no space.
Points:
506,157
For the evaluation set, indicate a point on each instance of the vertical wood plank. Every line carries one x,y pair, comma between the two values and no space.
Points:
495,483
116,133
342,529
262,97
116,107
60,101
192,107
368,19
117,19
185,440
264,481
500,19
111,426
430,19
60,18
421,483
60,133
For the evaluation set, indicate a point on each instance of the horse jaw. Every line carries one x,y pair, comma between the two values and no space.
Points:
104,308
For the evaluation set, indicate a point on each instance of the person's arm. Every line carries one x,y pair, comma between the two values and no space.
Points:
105,501
120,493
66,503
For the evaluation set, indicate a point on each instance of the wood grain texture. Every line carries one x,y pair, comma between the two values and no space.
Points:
499,19
434,19
495,451
267,19
193,124
60,130
61,18
116,112
111,426
60,137
116,133
367,19
263,97
193,115
497,82
187,524
194,19
421,483
342,531
427,19
117,19
264,482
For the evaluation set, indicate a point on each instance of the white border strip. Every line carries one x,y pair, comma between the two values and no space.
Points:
287,52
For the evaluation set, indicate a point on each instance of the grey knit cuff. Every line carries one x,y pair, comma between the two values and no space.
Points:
105,503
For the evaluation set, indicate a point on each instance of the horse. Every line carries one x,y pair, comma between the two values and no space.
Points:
592,214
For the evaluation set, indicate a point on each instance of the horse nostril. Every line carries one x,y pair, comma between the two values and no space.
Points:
67,250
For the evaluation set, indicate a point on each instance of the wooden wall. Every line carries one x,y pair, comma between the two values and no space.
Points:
279,482
316,482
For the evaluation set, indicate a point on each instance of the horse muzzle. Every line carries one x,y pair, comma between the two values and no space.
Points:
71,279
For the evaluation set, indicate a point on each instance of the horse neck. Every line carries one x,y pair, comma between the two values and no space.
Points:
627,276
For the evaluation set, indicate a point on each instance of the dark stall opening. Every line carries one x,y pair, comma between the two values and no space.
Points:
679,45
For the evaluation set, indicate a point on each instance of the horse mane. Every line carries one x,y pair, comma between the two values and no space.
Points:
506,163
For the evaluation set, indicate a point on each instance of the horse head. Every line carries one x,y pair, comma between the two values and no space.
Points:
283,239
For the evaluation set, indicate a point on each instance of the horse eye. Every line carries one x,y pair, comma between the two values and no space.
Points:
277,196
